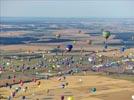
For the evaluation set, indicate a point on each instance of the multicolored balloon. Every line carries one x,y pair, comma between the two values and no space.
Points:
93,90
69,47
106,34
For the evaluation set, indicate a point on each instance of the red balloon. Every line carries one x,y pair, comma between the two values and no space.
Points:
34,80
13,80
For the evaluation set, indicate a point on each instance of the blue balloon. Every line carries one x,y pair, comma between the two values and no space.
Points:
122,49
69,47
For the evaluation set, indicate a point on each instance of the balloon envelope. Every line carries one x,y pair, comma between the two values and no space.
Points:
70,98
89,42
132,97
90,59
93,90
106,34
69,47
74,42
122,49
58,35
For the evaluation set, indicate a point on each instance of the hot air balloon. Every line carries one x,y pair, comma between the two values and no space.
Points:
9,98
69,47
93,90
74,42
13,94
106,34
58,36
58,46
132,97
122,49
70,98
62,97
90,59
34,80
7,64
13,80
39,83
23,97
21,83
89,42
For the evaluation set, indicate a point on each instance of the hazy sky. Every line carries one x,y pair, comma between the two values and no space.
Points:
68,8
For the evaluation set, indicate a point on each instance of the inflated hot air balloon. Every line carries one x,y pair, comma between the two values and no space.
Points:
132,97
39,83
90,59
62,97
23,97
58,46
74,42
93,90
70,98
7,64
58,36
106,34
122,49
69,47
89,42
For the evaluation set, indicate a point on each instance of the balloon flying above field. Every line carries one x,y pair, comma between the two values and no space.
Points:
106,34
69,47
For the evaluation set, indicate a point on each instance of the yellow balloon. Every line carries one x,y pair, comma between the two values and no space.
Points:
53,66
74,42
70,98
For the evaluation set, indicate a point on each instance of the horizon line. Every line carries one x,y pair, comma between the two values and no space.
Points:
62,17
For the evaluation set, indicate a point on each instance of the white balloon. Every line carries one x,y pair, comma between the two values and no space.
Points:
90,59
80,80
58,66
49,71
100,55
24,90
8,63
132,97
